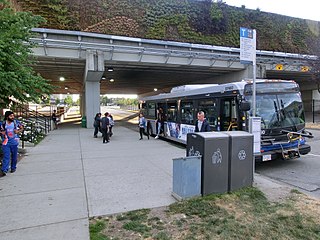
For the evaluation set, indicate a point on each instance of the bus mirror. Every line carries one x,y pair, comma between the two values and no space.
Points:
245,106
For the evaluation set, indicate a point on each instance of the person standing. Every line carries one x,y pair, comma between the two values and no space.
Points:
202,124
9,129
96,124
54,118
111,124
142,126
160,122
105,128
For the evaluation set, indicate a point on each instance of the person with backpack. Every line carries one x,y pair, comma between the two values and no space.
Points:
111,124
9,130
105,124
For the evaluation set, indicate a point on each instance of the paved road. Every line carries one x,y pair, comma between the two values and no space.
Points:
302,173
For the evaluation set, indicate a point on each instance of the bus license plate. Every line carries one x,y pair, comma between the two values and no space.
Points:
266,157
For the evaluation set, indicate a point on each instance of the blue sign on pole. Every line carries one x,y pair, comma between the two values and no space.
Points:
248,56
246,32
247,46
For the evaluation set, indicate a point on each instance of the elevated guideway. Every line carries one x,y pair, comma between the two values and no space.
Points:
88,61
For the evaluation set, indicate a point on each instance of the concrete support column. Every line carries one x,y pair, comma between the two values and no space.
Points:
247,73
307,97
93,73
260,72
82,103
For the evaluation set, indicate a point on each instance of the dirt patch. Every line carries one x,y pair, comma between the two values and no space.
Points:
308,205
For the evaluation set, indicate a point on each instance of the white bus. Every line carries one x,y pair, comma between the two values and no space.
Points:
227,108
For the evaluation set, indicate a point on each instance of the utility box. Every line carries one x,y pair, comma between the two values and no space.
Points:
241,159
186,177
214,149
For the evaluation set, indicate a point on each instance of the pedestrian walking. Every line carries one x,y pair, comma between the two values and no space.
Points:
105,128
9,130
143,126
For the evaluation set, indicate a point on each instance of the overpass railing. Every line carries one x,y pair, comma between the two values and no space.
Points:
82,41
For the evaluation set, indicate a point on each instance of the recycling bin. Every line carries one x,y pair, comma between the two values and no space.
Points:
186,177
214,149
241,159
84,122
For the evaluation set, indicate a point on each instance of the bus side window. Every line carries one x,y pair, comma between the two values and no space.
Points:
151,110
209,107
143,107
187,110
172,111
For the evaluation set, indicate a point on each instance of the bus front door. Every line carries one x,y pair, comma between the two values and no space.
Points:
228,114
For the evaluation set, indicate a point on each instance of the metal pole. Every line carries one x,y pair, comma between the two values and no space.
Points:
254,77
313,102
254,91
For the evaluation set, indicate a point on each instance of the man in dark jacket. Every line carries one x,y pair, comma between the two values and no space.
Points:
201,124
105,124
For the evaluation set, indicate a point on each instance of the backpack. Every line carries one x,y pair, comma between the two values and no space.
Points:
111,121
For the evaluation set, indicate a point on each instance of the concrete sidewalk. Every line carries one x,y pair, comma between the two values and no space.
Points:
46,198
71,176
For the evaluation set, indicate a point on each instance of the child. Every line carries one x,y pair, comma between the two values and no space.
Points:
142,126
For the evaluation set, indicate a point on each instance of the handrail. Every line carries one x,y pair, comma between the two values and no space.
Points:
37,124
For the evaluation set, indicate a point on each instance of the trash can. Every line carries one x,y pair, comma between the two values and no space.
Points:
84,122
240,159
213,147
186,177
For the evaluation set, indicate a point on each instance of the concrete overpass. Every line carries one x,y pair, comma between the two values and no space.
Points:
88,62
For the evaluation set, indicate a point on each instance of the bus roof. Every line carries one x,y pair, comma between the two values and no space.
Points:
200,89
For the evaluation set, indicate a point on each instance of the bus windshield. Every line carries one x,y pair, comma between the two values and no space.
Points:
279,110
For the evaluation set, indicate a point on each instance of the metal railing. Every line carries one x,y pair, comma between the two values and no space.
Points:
82,41
36,124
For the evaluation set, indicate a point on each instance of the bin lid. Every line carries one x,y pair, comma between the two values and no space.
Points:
198,157
237,133
208,134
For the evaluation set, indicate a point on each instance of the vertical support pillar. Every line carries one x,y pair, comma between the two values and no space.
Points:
261,72
91,96
242,75
92,101
82,103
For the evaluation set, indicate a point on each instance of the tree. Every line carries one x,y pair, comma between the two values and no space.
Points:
105,100
68,100
19,82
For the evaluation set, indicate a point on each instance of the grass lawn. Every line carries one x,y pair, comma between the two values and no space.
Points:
244,214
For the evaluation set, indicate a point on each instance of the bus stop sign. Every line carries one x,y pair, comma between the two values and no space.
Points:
247,46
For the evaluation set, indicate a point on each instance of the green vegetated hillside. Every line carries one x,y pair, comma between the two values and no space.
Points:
203,22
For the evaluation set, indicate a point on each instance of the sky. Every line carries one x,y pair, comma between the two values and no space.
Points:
306,9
